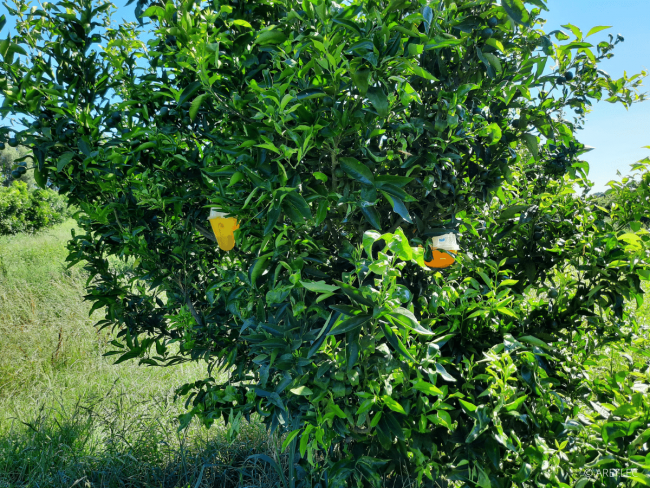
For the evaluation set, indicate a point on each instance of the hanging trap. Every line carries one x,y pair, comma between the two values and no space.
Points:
441,247
224,229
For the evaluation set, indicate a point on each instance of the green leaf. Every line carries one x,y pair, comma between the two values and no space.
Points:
337,410
492,132
488,67
639,477
361,47
319,286
290,436
398,207
516,403
270,37
428,388
399,244
576,31
321,213
369,238
270,146
3,21
441,42
311,93
196,105
133,353
84,146
561,36
299,203
532,144
4,46
378,99
360,79
16,48
273,216
258,267
444,418
350,324
301,391
507,311
366,406
470,407
512,211
64,160
494,61
517,12
396,342
534,341
372,216
146,145
577,45
188,91
422,73
242,23
356,170
154,11
235,178
405,318
349,24
323,334
599,28
41,177
393,404
354,294
440,369
398,181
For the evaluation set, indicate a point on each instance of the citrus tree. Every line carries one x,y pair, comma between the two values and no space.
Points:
343,138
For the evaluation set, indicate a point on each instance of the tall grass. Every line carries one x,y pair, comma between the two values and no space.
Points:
68,415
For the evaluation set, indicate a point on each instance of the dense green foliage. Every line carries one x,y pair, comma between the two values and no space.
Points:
343,138
29,210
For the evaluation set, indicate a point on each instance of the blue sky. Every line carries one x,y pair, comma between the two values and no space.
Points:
618,135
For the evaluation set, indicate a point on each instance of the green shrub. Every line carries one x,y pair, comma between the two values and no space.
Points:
344,138
24,210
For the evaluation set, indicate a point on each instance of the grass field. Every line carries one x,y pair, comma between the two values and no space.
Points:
68,415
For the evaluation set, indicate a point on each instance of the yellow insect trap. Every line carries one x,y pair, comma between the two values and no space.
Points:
440,244
223,228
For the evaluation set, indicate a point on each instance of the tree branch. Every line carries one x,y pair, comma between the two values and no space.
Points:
335,181
205,232
193,311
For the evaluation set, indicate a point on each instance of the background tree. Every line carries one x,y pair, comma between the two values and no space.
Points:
342,138
10,162
23,206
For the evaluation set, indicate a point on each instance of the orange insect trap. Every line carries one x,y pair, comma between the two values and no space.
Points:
439,245
224,229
